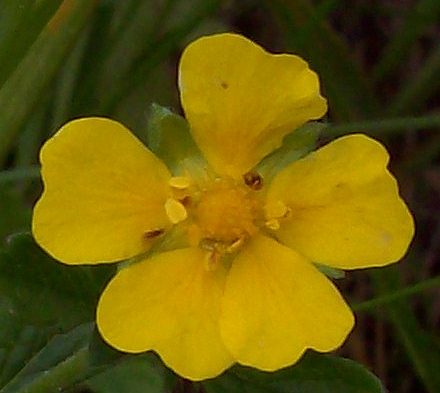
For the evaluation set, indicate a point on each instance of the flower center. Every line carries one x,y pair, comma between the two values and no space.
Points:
220,215
227,212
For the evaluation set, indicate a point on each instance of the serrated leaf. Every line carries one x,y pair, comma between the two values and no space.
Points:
295,145
58,350
315,373
44,291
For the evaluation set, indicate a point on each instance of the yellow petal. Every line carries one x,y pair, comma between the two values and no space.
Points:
241,100
103,191
277,304
169,303
346,211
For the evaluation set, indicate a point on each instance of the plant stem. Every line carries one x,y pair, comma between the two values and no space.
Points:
385,126
32,172
397,295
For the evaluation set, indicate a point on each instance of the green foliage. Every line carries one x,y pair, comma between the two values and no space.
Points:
23,88
170,139
314,373
40,298
295,145
46,340
43,291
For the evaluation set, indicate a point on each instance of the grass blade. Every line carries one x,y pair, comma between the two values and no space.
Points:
21,91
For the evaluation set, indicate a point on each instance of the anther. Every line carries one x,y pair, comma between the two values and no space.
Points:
273,224
235,245
207,244
253,180
176,212
276,209
153,233
179,182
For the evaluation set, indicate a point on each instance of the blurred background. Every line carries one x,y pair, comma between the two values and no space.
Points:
379,64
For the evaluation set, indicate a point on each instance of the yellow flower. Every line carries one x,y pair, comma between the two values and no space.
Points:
242,285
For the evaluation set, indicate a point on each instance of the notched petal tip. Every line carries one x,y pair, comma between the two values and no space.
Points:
346,211
168,303
251,103
103,190
285,306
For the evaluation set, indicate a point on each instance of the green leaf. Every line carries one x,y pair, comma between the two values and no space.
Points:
13,215
295,145
315,373
170,139
156,50
135,374
422,347
69,359
43,291
21,21
38,371
18,344
126,373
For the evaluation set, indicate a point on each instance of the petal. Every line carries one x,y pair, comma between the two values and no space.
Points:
169,303
238,98
277,304
103,190
346,211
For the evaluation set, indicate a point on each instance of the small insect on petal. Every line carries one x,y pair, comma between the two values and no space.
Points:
153,233
253,180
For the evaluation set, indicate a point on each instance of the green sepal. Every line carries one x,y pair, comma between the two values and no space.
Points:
169,137
330,271
314,373
295,145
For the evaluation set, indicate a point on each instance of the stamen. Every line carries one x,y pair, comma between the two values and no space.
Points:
273,224
212,259
235,246
208,244
180,182
176,212
253,180
276,209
